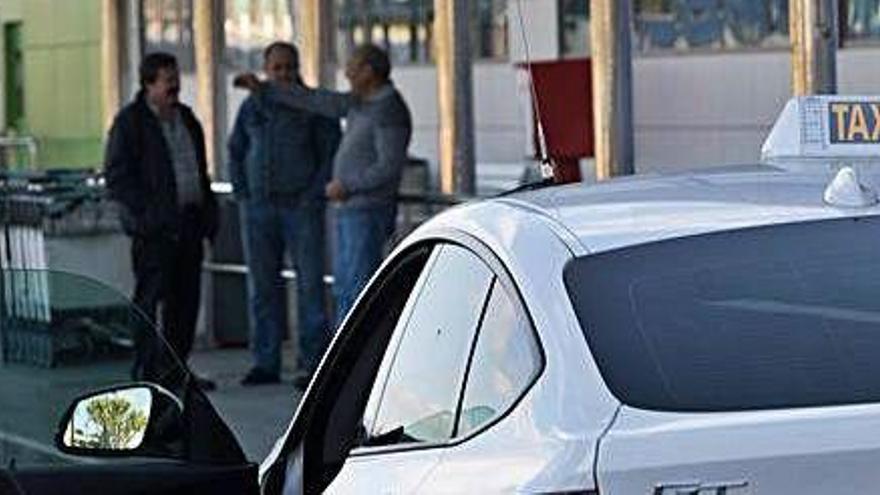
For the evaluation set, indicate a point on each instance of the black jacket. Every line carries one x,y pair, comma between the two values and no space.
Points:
140,174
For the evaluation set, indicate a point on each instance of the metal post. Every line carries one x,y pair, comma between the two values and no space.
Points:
317,39
110,60
610,33
133,45
455,96
814,36
208,21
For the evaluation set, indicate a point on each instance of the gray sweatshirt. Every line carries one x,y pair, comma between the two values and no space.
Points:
370,159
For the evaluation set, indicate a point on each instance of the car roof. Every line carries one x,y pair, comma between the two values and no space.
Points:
635,210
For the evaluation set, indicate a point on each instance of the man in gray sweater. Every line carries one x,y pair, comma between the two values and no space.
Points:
368,164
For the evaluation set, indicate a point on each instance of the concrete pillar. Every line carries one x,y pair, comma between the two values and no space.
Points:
317,38
610,33
814,35
208,20
110,61
455,96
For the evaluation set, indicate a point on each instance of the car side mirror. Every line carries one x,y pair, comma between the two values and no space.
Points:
130,420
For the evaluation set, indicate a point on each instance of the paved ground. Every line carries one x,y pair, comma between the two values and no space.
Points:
257,415
32,399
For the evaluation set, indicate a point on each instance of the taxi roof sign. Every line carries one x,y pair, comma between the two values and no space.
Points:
828,127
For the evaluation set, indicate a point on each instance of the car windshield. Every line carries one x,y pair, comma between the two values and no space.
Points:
770,317
62,336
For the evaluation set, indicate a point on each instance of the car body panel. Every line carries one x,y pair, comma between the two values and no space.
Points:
546,444
637,210
395,472
805,451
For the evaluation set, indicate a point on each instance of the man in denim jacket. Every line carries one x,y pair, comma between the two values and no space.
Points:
280,161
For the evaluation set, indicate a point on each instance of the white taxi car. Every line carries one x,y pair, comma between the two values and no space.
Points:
714,332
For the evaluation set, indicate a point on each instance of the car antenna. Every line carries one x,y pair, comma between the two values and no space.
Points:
548,168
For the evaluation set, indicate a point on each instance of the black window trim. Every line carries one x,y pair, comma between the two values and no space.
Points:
503,278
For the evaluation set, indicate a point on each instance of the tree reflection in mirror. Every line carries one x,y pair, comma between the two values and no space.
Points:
110,421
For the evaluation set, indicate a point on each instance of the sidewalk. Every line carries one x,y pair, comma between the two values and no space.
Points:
257,415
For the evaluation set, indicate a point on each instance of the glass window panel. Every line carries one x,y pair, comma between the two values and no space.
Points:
403,27
710,24
506,360
168,28
862,19
574,28
421,392
762,318
250,26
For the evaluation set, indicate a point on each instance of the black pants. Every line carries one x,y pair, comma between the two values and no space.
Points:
167,272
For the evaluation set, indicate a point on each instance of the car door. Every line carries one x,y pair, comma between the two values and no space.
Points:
494,433
64,336
385,396
413,405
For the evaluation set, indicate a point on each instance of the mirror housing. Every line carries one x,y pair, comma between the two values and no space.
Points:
132,420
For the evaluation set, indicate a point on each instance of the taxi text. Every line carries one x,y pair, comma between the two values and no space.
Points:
854,122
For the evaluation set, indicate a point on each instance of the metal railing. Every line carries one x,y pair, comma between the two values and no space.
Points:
11,157
414,208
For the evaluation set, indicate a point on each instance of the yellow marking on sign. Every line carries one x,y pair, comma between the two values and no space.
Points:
857,124
875,110
839,110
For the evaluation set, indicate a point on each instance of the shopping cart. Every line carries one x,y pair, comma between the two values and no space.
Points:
34,206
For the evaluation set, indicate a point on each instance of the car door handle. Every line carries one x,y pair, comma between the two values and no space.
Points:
698,487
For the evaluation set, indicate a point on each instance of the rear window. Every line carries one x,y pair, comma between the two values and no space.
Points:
770,317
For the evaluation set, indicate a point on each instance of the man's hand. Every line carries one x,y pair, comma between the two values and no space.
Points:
246,80
335,191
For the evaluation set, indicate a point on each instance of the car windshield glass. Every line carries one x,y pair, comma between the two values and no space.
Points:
770,317
62,336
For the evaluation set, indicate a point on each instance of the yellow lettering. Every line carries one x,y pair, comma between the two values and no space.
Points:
875,109
857,124
839,110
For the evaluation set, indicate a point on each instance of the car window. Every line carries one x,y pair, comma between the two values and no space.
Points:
63,336
771,317
506,359
420,394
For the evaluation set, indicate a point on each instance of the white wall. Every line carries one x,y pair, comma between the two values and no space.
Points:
500,116
699,110
705,110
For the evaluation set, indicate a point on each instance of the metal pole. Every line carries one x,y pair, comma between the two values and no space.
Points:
133,44
612,87
110,60
317,40
208,19
455,96
814,36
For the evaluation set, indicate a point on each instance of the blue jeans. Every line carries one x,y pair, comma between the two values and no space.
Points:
361,235
268,229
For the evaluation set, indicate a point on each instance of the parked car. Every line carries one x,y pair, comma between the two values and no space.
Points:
707,332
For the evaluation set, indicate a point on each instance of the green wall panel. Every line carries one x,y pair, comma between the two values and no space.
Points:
71,153
62,80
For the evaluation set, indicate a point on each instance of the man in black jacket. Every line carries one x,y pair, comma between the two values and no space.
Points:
156,169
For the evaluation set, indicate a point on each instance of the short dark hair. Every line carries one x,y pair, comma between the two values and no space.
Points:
376,58
282,45
152,64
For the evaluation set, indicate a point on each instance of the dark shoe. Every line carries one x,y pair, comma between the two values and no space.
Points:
256,376
205,384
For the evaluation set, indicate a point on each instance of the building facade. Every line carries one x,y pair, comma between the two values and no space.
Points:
709,75
51,79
